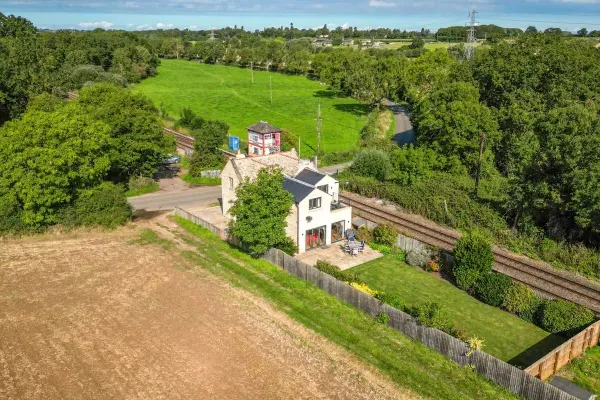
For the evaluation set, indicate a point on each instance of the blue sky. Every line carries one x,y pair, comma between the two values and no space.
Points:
256,14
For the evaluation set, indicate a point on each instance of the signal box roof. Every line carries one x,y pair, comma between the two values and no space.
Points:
264,127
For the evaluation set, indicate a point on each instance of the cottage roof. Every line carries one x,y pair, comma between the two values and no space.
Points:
248,167
300,190
309,176
263,127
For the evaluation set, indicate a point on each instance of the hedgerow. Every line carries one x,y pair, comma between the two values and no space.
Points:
473,258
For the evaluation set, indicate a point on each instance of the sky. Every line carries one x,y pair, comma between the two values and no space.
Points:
256,14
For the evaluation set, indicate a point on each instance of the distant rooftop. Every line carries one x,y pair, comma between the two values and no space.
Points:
263,127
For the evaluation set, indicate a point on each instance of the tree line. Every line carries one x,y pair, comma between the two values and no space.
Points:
530,107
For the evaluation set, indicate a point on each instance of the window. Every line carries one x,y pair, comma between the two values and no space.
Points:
315,237
314,203
230,183
267,136
324,188
255,150
337,231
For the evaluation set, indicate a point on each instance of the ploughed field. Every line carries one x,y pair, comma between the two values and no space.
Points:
98,315
226,93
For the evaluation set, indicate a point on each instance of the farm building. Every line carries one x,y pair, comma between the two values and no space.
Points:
263,139
317,217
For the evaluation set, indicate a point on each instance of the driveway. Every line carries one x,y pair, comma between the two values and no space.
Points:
167,200
404,133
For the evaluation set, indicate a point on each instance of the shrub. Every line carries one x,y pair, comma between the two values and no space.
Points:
459,334
138,182
104,205
287,245
335,271
432,266
373,163
472,257
10,215
385,235
382,318
474,344
391,299
518,298
431,314
564,317
531,313
364,233
363,287
491,288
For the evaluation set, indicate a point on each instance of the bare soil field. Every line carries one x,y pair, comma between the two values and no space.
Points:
96,316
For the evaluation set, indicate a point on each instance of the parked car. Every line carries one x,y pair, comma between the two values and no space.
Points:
171,159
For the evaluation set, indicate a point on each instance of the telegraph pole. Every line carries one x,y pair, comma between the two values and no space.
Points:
318,132
271,88
481,143
470,49
252,70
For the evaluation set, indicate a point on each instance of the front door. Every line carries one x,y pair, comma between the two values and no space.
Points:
315,237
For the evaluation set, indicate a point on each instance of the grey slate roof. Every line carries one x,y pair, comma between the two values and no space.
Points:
309,176
298,189
263,127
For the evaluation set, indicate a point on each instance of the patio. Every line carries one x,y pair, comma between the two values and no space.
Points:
335,254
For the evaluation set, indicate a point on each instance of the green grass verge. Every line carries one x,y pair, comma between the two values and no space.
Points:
392,128
408,363
505,335
138,192
227,94
585,370
200,181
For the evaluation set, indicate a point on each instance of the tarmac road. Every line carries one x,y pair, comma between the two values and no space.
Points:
168,200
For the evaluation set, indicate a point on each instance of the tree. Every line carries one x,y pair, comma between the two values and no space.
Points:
452,121
417,43
582,32
11,26
373,163
47,157
260,211
137,143
531,30
473,257
208,141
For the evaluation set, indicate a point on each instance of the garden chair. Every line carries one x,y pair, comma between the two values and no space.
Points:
362,246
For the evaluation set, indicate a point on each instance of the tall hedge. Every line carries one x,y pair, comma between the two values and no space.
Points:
564,317
491,288
472,257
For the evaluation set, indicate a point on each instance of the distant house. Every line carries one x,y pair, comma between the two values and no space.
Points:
322,42
347,42
317,218
263,139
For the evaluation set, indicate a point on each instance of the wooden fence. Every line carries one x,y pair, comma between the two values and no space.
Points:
498,371
552,362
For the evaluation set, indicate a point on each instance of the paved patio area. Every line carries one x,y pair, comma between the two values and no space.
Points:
335,255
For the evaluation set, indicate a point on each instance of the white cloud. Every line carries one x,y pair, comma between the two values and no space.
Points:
160,25
98,24
193,27
381,3
131,4
143,27
345,25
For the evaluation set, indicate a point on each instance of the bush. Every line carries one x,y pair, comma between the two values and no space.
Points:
432,266
518,298
335,271
531,313
473,257
104,205
492,288
337,157
391,299
431,314
364,233
10,215
382,318
372,163
139,182
288,246
385,235
564,317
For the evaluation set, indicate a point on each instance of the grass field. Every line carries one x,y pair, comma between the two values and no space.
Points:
227,94
408,363
505,335
585,370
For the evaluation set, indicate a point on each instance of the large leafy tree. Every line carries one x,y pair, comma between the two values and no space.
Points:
452,121
46,158
137,142
260,211
207,146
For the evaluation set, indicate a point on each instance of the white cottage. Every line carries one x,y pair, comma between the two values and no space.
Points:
317,218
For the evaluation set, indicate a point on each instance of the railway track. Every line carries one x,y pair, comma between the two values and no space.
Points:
540,276
183,141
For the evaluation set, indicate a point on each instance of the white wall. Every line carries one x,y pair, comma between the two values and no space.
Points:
228,194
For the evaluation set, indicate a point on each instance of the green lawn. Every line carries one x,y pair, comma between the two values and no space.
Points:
585,370
138,192
227,94
505,335
407,362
